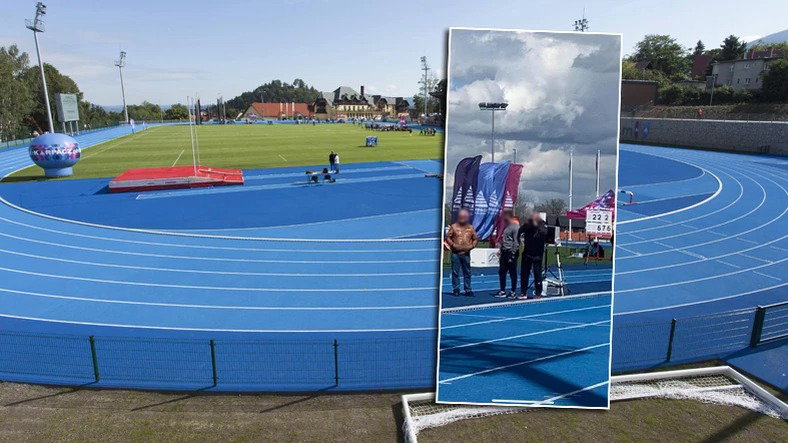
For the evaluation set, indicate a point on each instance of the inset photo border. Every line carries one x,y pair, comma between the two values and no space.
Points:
529,211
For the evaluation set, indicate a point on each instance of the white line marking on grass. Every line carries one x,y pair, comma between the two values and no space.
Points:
280,156
768,276
530,334
115,145
526,362
179,157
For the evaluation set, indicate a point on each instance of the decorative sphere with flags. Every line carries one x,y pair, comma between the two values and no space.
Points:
55,153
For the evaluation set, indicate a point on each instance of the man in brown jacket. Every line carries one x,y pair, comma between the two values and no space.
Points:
461,239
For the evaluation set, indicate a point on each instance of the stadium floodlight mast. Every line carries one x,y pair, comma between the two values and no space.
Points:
582,24
37,25
425,67
120,63
492,107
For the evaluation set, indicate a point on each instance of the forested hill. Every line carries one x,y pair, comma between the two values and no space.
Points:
275,91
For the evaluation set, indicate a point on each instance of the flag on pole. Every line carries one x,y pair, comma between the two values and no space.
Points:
509,201
465,177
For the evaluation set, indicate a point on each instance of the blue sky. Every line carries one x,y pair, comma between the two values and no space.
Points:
179,48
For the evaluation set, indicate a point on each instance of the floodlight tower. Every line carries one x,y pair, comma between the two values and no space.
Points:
37,25
120,63
582,24
492,107
425,67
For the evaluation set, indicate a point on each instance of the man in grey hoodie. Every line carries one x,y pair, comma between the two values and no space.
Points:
510,246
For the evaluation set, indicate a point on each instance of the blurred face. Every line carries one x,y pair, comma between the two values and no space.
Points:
535,218
463,217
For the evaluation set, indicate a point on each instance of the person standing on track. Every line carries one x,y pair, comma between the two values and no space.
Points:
336,163
510,246
461,239
332,160
532,235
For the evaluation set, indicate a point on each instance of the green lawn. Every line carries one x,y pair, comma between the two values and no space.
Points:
246,147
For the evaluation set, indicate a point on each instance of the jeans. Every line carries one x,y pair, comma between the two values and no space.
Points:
528,264
508,265
460,263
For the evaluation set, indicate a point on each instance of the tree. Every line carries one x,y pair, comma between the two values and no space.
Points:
732,48
176,112
775,81
554,207
16,99
664,54
699,48
275,91
144,111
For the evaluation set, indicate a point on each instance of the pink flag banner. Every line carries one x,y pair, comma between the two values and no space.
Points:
605,201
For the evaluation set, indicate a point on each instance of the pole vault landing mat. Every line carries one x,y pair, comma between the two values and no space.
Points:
156,179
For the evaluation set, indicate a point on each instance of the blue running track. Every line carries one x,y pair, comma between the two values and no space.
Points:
271,286
538,353
705,243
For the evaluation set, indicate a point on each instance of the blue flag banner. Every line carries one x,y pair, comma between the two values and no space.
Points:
489,197
465,177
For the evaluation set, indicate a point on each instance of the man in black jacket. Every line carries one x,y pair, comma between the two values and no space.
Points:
532,235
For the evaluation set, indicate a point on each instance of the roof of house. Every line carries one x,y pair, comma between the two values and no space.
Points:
700,63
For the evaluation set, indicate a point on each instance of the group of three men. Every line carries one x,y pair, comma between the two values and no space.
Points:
461,239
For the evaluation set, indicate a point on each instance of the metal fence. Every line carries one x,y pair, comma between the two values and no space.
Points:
287,363
25,141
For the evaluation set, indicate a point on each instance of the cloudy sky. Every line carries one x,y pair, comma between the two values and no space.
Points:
562,90
182,47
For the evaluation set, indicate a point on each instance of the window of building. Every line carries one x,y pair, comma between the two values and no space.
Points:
746,66
747,81
731,67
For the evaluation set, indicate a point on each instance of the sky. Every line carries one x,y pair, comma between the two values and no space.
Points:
563,95
209,48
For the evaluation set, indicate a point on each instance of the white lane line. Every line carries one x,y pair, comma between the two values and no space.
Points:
530,334
526,362
181,245
768,276
198,271
754,257
700,302
172,328
551,400
628,250
700,203
230,307
712,277
777,248
179,157
505,319
729,264
215,288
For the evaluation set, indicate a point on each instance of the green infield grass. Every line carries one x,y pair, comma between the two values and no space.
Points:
245,147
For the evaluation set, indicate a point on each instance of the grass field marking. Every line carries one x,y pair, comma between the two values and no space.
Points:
181,245
682,305
114,143
214,288
228,307
282,157
200,271
179,157
530,334
175,328
526,362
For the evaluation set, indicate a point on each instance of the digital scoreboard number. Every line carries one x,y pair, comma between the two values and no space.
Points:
599,222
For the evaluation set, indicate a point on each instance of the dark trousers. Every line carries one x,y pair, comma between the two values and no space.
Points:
460,263
508,266
528,264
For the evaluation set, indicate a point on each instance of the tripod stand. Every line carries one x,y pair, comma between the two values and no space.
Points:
557,284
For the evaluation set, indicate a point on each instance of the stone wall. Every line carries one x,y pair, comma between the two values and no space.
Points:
752,137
